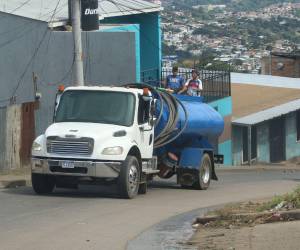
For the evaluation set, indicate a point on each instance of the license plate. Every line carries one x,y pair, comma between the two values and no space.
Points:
67,164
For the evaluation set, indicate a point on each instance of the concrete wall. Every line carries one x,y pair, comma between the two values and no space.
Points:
2,137
224,107
10,135
135,28
18,41
150,37
292,145
109,58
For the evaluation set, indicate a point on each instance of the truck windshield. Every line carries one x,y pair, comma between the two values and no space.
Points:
96,107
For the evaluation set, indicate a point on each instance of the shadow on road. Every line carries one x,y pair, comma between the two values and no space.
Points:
82,192
91,191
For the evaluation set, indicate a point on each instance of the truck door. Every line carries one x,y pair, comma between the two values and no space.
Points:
145,133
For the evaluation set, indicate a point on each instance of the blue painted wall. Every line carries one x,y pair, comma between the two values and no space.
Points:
150,38
292,145
225,149
135,28
224,107
263,145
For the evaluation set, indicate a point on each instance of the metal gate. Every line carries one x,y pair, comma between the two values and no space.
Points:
27,131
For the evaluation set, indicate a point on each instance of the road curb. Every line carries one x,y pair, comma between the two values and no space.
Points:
274,216
14,183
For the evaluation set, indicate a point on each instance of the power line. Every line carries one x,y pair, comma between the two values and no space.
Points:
139,29
20,81
17,8
35,52
149,13
88,60
21,28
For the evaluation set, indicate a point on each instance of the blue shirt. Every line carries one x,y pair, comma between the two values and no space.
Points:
175,82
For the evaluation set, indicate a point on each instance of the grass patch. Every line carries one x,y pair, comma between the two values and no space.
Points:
291,199
252,213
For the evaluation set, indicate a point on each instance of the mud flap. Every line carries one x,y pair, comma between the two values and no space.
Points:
187,176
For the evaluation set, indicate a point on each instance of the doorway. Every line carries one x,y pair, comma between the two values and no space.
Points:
277,140
246,131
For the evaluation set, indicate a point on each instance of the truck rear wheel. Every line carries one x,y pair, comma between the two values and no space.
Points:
129,178
205,173
42,184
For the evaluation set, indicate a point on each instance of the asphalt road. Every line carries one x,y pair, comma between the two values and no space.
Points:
95,218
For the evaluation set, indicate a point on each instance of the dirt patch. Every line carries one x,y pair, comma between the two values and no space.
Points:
233,226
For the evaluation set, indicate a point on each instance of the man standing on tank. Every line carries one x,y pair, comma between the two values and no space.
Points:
174,82
193,86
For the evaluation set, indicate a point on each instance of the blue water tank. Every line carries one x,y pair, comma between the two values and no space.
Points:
203,120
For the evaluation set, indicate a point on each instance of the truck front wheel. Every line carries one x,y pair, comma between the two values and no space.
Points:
129,178
42,184
205,173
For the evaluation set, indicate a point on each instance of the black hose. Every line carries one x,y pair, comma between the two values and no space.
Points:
166,136
181,131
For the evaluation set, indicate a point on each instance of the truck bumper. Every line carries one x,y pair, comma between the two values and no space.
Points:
76,168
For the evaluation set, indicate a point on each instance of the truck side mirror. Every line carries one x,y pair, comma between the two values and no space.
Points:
153,108
57,99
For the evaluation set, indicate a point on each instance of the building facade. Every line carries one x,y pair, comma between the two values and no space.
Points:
282,64
265,123
273,140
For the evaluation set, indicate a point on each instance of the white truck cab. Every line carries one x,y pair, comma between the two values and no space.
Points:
98,134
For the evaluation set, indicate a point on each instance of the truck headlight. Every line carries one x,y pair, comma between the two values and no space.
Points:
36,147
113,151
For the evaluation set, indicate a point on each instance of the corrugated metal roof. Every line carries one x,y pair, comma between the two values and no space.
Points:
266,80
268,114
43,9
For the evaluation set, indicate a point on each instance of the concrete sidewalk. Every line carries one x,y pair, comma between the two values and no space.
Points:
260,167
14,179
283,235
275,236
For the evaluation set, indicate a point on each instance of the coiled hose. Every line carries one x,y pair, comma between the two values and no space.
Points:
170,132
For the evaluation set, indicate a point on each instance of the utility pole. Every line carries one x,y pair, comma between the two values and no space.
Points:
78,56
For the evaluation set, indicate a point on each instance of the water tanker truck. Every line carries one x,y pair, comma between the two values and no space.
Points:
126,136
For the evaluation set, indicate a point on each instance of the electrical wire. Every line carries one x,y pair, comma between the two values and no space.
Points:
20,29
133,10
53,13
35,52
17,8
149,13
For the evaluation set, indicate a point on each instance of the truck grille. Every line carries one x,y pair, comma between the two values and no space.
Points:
70,146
